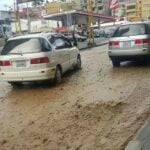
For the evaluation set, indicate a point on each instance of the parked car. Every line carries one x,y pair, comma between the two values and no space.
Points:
78,37
37,57
96,33
130,42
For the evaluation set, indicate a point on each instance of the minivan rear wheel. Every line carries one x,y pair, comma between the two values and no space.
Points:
148,61
58,75
116,63
78,64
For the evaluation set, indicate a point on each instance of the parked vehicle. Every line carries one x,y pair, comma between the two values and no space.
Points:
78,37
36,57
96,33
130,42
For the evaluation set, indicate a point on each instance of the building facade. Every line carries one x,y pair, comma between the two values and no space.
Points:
131,10
121,11
10,15
55,7
99,6
6,17
143,8
138,10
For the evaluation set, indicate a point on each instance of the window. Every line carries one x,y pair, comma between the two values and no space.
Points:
60,42
131,30
146,5
100,8
23,46
146,13
67,42
45,45
130,7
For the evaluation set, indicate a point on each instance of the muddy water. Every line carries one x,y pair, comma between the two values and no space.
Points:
97,108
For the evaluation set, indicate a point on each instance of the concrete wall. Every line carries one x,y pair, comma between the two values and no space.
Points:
36,26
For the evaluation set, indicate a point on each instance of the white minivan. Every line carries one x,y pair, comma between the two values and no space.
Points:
37,57
130,42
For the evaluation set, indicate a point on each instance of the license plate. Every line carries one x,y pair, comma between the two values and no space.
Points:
21,64
127,44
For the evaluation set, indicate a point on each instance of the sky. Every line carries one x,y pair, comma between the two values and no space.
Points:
9,3
5,2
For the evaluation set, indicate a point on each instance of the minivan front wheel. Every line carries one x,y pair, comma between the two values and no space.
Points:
115,63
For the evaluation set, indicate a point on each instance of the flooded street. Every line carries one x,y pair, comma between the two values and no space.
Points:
96,108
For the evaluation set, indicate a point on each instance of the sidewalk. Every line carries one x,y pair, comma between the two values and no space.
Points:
98,42
142,140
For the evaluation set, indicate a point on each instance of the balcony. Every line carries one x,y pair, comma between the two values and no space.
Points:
130,10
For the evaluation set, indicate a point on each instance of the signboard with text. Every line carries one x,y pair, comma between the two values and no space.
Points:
113,4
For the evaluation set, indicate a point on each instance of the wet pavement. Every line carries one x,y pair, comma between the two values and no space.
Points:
96,108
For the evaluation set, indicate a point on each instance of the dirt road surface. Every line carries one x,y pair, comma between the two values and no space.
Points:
97,108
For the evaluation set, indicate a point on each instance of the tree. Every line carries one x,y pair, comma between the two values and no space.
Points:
37,2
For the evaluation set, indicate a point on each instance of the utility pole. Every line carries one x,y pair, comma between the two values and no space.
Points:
69,16
139,9
28,18
17,17
90,23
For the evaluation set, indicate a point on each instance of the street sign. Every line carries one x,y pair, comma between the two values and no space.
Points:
113,4
24,1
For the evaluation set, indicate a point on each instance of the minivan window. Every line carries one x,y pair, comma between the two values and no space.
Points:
45,45
58,38
131,30
22,46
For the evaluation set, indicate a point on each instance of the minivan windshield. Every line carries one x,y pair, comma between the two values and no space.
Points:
22,46
131,30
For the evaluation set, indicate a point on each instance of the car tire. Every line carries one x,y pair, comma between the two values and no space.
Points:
78,64
116,63
148,61
58,75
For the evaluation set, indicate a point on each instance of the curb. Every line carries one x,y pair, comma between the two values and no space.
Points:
104,43
134,145
142,139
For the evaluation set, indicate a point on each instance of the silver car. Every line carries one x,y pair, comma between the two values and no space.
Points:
130,42
37,57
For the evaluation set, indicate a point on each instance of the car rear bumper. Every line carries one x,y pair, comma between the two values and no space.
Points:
37,75
134,52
